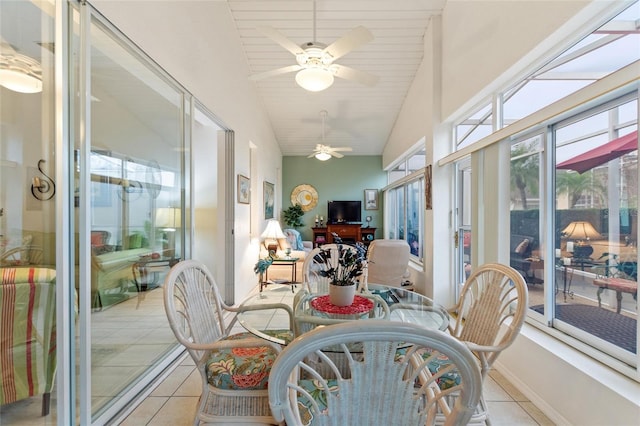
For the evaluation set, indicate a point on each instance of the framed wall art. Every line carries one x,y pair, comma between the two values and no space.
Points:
269,199
244,189
371,199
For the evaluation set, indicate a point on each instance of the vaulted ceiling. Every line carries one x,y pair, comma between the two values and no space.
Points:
358,116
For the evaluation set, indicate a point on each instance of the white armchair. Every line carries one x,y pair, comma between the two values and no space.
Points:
387,262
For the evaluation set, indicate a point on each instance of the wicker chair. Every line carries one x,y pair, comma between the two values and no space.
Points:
383,386
488,317
312,281
234,368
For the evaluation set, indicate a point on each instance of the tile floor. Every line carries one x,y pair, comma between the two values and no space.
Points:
174,401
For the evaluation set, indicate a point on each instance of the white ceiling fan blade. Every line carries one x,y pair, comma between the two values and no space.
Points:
355,75
348,42
342,148
312,155
281,39
336,154
272,73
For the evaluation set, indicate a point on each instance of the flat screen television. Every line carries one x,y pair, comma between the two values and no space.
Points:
344,212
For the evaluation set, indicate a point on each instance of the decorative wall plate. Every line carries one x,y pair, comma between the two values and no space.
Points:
306,196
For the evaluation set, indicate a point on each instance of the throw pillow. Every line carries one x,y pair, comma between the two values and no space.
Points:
294,238
522,247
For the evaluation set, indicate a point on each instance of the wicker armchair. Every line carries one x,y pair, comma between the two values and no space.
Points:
381,387
22,256
234,368
488,317
312,281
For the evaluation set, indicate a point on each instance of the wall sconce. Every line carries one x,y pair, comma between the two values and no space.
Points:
43,189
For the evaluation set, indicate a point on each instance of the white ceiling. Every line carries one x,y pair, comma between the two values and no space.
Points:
360,117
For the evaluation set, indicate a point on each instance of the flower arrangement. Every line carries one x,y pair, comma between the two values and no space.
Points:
342,264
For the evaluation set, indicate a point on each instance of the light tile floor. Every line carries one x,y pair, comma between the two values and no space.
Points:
174,401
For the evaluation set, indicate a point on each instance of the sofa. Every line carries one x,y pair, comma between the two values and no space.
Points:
299,250
111,264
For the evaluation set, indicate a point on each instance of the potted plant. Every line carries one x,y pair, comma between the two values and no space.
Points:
342,266
292,216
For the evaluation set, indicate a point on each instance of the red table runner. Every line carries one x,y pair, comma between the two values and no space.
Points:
360,305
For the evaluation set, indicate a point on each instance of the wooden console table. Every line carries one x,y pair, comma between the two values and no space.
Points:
347,231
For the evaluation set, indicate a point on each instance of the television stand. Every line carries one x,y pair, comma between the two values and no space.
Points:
350,233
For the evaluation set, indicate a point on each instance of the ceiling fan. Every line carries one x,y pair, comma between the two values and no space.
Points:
315,67
324,152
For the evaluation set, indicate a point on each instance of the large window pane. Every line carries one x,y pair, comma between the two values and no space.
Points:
596,226
525,249
136,216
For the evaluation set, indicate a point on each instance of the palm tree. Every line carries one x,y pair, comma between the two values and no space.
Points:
524,173
574,184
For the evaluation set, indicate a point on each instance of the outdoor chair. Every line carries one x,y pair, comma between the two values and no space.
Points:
488,317
388,383
234,368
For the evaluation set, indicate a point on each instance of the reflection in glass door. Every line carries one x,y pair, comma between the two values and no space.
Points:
134,174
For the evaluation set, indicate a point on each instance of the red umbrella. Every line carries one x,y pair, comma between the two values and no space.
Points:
602,154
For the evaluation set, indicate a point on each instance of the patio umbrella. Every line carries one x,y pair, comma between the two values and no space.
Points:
602,154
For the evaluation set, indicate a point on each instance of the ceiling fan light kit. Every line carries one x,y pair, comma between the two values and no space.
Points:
20,73
315,68
325,152
314,79
323,156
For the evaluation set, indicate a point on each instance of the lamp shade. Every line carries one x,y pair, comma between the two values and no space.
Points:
272,231
580,230
314,79
168,217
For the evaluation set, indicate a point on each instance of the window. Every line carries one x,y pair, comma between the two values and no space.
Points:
596,205
404,203
571,248
607,49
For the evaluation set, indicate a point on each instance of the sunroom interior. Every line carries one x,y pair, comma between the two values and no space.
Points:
154,183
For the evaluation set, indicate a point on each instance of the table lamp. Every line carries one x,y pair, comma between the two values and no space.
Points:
582,231
169,219
271,234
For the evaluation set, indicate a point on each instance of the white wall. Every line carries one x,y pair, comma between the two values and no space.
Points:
214,69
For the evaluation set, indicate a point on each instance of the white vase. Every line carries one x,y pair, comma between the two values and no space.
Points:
342,295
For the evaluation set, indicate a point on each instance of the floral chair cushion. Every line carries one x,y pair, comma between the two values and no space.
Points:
447,380
314,388
243,368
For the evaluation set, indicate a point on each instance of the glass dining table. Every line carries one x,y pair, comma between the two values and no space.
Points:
387,302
